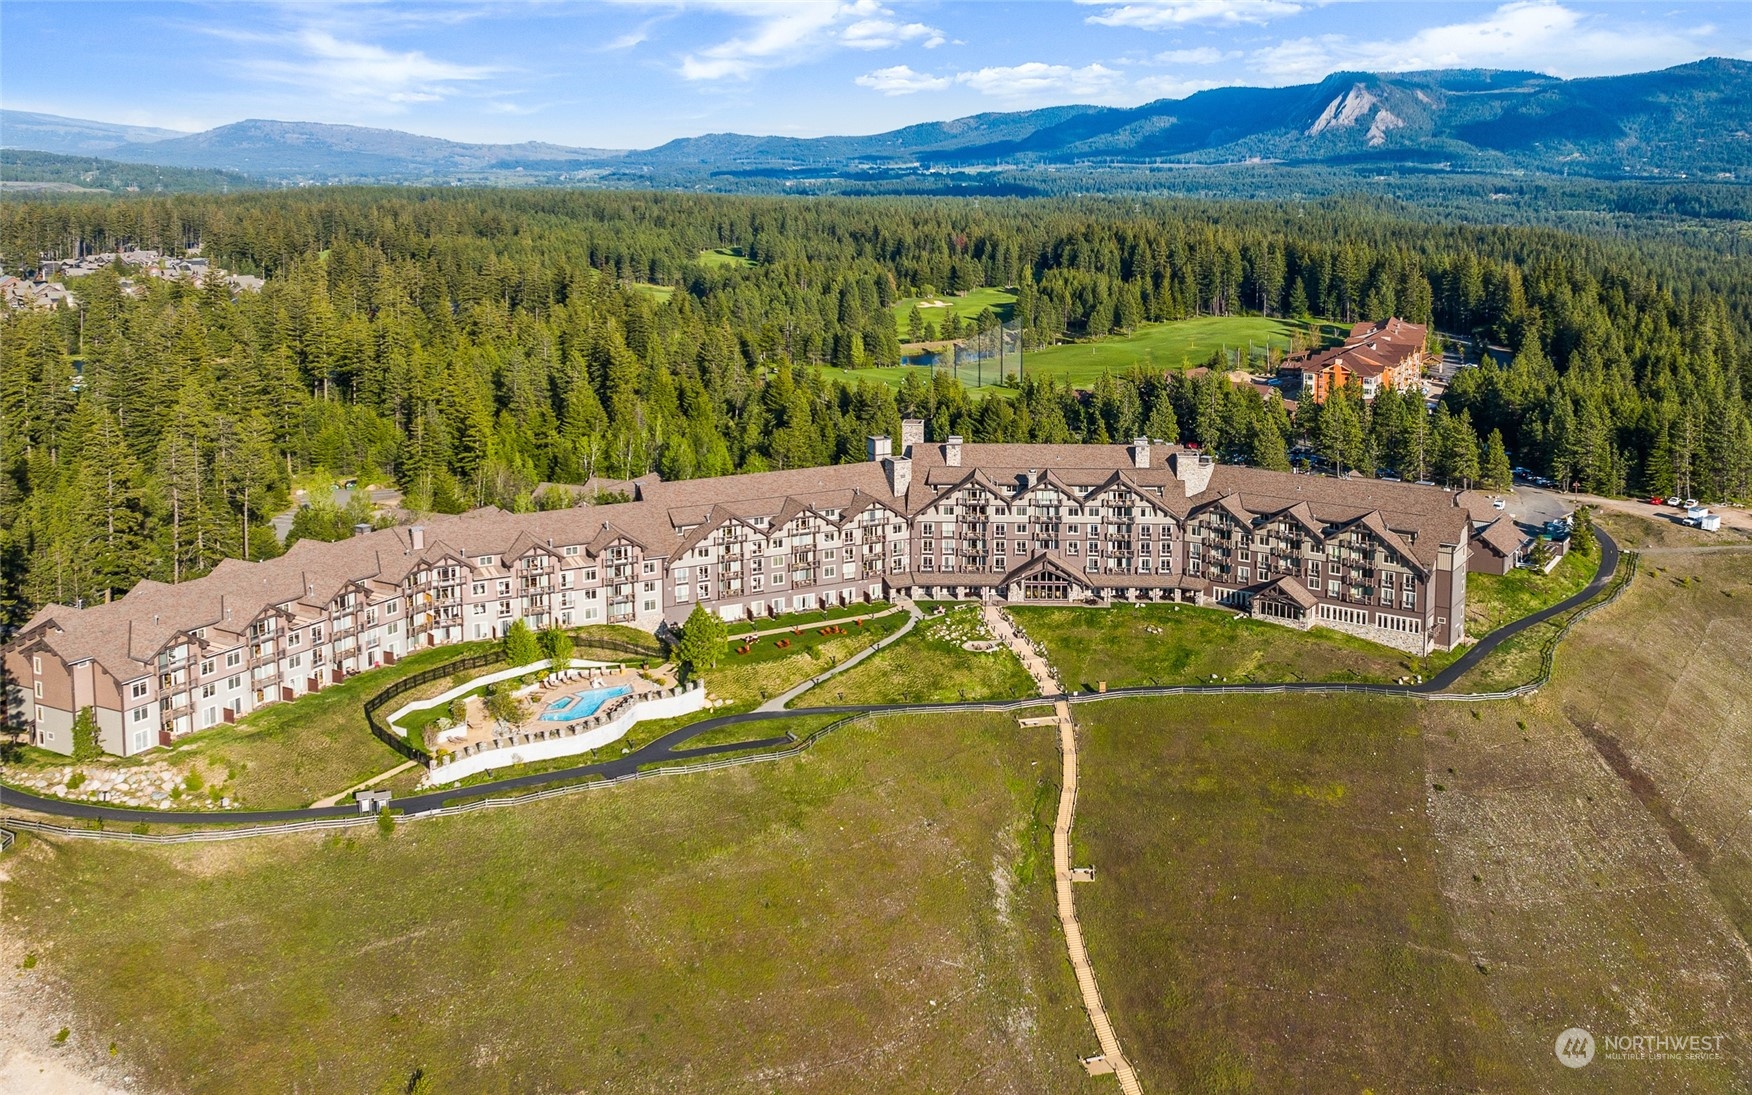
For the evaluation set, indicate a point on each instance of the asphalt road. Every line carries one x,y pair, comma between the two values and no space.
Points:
672,746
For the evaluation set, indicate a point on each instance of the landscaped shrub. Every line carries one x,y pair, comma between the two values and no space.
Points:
521,645
85,744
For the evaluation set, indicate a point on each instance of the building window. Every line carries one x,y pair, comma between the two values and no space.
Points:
234,682
36,665
141,714
234,659
138,690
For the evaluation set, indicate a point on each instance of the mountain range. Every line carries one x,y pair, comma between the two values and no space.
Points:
1694,120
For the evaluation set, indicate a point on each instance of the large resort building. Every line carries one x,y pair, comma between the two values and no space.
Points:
943,520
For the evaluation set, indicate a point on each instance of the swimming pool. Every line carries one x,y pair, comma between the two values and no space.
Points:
581,705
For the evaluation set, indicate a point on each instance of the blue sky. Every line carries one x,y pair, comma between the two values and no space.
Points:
635,73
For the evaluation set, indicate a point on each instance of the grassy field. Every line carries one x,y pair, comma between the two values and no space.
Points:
1657,683
809,619
1160,347
1167,644
1321,893
1156,346
725,258
967,306
869,917
767,670
1345,893
1266,915
1493,600
929,664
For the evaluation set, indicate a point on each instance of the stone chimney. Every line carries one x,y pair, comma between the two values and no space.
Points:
1140,452
952,451
899,470
1194,470
878,447
417,537
912,432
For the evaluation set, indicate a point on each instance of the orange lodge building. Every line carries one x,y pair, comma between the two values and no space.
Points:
1385,354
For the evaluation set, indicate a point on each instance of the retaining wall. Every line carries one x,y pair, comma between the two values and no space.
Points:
565,739
478,682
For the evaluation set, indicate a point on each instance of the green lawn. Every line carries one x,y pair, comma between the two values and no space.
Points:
809,619
871,916
1158,347
1164,644
1493,600
968,306
725,258
659,293
929,664
768,670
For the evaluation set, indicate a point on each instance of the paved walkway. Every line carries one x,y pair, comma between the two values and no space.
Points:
1111,1056
777,703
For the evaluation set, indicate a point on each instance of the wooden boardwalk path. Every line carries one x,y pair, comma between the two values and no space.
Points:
1111,1056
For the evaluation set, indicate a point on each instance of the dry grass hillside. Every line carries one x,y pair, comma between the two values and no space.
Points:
1313,893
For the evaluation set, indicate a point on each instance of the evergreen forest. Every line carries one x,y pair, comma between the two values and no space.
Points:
472,346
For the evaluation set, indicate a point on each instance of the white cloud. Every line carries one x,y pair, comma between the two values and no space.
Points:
1157,14
886,34
1534,34
1204,55
902,80
781,33
1036,79
357,72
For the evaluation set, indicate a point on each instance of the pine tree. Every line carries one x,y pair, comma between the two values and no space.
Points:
1497,474
702,640
520,645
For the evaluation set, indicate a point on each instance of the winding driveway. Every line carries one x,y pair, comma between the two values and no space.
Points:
671,746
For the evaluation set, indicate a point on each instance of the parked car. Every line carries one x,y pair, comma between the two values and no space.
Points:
1498,503
1657,500
1689,503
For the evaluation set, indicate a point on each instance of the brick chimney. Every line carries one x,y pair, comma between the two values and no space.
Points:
912,432
899,470
1194,470
952,451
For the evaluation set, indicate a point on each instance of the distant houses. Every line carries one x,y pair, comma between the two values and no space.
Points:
46,289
